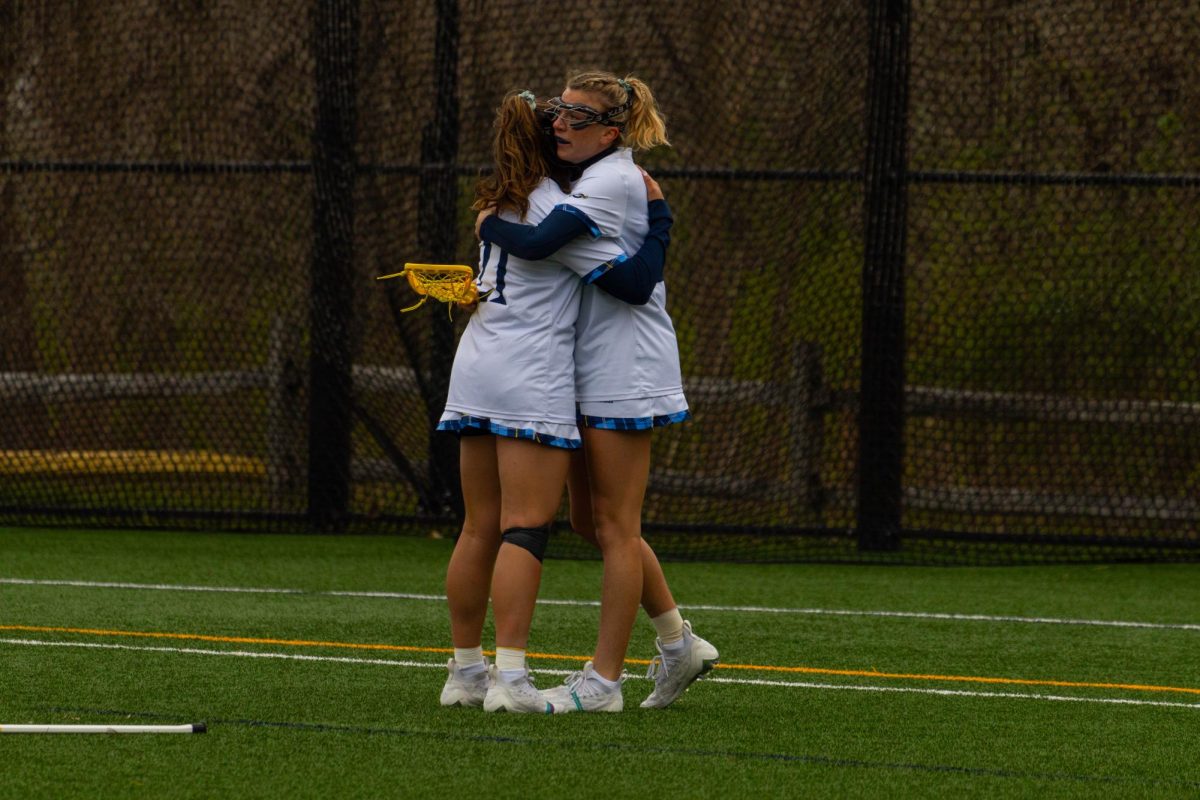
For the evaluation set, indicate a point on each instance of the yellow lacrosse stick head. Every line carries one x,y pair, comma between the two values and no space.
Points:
449,283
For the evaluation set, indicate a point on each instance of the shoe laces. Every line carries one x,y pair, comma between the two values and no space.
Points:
579,684
576,682
662,662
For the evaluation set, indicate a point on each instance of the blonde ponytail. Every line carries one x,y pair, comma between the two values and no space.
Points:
643,125
647,127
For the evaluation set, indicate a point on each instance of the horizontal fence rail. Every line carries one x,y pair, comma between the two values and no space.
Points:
815,175
922,401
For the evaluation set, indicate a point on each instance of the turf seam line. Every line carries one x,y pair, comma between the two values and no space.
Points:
921,615
640,747
542,671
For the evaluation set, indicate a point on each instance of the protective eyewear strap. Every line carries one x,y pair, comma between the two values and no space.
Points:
615,111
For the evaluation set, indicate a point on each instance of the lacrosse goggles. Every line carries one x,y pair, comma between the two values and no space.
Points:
578,116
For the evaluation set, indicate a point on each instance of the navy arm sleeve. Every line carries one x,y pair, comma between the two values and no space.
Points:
633,279
533,242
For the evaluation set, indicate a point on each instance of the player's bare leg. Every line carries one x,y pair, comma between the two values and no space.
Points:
469,574
532,477
682,656
656,593
618,466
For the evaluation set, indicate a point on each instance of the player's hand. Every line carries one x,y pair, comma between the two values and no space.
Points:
653,190
487,212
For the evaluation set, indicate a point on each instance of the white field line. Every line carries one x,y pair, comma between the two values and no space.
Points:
389,662
829,612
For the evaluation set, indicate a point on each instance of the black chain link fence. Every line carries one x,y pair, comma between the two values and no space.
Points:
935,270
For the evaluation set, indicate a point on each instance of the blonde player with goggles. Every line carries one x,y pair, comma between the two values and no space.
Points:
627,381
512,401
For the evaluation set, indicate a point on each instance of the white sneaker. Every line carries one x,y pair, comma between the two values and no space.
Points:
467,691
673,672
582,693
520,696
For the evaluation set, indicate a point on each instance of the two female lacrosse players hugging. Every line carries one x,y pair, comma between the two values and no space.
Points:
548,356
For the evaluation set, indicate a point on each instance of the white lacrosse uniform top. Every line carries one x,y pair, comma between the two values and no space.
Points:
623,352
514,370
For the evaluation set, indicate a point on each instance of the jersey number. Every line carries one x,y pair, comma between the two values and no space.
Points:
497,294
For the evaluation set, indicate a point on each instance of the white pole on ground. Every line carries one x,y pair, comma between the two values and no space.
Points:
198,727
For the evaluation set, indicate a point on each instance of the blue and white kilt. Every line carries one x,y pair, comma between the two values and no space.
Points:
554,435
641,414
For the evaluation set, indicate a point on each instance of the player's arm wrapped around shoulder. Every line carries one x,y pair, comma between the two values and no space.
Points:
534,242
633,278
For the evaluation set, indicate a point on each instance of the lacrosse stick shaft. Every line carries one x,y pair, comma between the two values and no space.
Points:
198,727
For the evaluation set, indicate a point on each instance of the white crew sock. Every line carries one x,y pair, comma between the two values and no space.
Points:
510,661
609,686
469,659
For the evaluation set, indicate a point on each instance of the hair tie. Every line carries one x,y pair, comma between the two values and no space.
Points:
528,97
624,84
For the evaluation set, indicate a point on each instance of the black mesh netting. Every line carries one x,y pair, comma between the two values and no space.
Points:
935,269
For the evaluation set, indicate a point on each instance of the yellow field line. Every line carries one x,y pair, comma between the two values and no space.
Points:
856,673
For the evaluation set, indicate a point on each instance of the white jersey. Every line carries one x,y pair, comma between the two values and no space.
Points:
622,351
514,371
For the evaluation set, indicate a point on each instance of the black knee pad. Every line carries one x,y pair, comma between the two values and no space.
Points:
532,539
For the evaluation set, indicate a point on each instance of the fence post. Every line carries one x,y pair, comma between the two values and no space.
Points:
808,427
438,232
335,50
881,395
285,416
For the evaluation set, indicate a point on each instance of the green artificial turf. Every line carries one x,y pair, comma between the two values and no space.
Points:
347,727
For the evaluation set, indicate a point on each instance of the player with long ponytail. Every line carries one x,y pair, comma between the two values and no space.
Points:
627,381
512,402
641,125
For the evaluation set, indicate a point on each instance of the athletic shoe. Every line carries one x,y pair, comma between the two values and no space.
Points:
467,691
582,693
674,671
519,696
